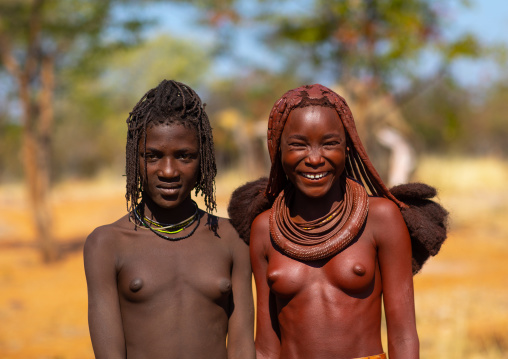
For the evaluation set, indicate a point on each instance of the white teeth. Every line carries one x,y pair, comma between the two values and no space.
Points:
314,176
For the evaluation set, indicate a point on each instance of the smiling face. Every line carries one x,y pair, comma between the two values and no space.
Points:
313,150
172,164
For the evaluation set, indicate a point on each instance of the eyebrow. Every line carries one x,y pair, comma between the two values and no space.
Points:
325,137
150,149
298,137
332,135
183,149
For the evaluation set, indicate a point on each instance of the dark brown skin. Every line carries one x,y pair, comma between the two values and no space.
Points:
331,308
154,298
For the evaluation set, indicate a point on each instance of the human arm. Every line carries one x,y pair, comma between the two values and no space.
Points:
104,318
241,320
267,328
394,254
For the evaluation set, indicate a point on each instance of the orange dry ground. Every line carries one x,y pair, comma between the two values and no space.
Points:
461,295
43,307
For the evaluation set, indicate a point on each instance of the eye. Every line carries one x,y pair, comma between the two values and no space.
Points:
186,156
149,156
296,145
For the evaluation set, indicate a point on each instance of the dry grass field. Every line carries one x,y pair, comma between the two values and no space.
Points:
461,295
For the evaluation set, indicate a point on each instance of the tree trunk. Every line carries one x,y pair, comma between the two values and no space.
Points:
35,85
42,210
37,181
37,120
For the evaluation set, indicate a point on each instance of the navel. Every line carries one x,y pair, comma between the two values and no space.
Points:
136,284
359,269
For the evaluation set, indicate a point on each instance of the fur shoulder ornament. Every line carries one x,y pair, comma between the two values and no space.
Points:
426,220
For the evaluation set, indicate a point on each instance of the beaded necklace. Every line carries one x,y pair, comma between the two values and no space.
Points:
160,228
323,237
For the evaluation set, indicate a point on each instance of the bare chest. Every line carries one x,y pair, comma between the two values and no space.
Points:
150,269
351,271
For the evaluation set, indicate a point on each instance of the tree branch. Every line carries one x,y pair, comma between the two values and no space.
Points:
8,60
33,38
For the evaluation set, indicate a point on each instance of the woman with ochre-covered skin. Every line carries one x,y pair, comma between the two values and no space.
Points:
333,247
169,280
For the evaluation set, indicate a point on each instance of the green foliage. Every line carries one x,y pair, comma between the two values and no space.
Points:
490,124
71,28
448,118
131,73
351,38
440,114
253,94
370,37
74,37
94,109
238,109
466,45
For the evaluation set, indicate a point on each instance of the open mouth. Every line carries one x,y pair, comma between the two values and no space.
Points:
314,176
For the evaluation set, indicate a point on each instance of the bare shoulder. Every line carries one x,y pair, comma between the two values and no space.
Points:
226,227
383,210
231,241
260,232
220,227
262,222
103,238
386,222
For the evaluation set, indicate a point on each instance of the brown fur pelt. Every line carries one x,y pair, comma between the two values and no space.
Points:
247,201
426,220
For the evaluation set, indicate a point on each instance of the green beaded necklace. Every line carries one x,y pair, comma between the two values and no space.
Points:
159,228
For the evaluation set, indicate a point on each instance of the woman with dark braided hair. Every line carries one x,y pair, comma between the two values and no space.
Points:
169,280
329,243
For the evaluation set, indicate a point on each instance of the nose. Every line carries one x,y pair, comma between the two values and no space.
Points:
314,158
167,169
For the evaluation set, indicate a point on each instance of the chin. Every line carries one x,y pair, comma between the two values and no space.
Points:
168,203
315,195
313,192
316,191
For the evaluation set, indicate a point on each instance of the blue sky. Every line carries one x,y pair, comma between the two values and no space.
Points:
487,19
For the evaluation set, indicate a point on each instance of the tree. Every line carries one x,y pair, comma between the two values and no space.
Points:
239,106
337,40
441,113
489,131
38,39
94,108
370,38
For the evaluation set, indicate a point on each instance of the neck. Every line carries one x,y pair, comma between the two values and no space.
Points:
304,208
168,215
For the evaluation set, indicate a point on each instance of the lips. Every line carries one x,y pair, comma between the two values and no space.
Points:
169,190
314,176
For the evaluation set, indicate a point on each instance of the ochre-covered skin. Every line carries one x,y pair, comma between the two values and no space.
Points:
331,308
149,297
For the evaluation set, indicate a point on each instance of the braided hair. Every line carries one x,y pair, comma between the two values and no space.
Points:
170,102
